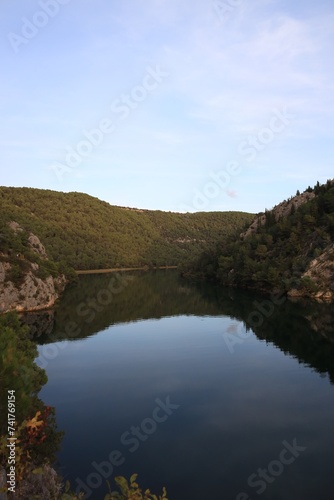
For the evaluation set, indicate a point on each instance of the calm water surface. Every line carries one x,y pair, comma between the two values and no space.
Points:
188,387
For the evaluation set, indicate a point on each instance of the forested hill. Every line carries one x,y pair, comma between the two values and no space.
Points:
289,248
84,232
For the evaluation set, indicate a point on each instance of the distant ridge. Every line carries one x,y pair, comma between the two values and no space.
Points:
83,232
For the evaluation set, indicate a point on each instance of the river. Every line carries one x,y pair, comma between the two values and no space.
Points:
213,393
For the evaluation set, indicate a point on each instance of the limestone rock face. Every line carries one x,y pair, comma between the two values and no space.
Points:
321,271
31,292
32,295
281,210
37,246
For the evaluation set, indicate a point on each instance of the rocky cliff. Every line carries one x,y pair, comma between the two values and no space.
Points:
283,209
25,283
320,271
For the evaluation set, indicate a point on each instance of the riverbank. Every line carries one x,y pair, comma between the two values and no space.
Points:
35,294
122,269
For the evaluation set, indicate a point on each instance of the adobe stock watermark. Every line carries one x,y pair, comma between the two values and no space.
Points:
248,149
31,27
260,479
121,108
261,311
254,144
87,309
218,182
131,439
223,10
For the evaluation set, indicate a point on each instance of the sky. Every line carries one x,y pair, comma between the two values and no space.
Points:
176,105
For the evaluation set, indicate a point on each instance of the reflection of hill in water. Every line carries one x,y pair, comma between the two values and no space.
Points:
303,330
99,301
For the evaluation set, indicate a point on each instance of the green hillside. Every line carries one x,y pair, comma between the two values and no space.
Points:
84,232
288,247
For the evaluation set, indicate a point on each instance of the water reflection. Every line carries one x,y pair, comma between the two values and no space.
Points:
158,338
304,329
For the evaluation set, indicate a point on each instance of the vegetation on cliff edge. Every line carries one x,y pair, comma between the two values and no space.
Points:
277,253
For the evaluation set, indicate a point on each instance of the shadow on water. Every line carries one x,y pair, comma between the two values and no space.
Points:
234,411
303,329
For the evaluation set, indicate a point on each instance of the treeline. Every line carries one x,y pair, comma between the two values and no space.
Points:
278,252
83,232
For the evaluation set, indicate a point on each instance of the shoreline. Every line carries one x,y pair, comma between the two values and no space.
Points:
50,305
119,269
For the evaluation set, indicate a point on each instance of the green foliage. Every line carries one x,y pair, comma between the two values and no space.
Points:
82,232
278,252
18,371
132,491
35,426
16,249
307,284
15,274
69,495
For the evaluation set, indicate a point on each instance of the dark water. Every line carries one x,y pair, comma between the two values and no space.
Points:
215,394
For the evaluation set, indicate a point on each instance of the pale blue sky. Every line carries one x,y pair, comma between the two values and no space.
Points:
210,83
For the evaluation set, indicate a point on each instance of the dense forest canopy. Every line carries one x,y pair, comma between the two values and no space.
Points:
83,232
278,251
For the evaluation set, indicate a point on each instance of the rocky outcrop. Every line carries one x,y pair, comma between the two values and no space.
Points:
318,279
32,295
30,292
321,272
37,246
307,278
281,210
39,482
